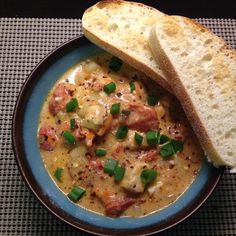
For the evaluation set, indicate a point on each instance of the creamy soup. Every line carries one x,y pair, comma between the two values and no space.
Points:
114,142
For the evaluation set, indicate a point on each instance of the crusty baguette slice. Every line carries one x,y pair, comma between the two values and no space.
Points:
122,28
202,72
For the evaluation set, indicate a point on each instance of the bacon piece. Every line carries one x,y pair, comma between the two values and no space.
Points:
118,150
150,155
142,118
95,164
61,95
97,86
83,133
114,205
47,138
178,131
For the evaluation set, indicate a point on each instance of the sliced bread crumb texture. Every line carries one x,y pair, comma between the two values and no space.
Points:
202,72
122,28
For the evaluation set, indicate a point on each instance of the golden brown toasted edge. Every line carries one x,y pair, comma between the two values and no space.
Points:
183,96
119,53
112,3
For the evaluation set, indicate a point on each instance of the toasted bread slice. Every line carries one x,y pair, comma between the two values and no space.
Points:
202,72
122,28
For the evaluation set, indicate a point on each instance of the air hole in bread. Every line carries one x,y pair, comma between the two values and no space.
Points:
184,54
223,91
151,58
209,117
174,49
215,106
211,95
207,57
230,154
219,132
208,41
112,27
198,92
126,26
230,133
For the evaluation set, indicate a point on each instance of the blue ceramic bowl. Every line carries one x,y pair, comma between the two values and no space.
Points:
25,124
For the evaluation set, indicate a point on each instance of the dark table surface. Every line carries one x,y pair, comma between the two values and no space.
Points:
75,8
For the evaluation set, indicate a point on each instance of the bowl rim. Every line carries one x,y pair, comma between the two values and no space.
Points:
36,189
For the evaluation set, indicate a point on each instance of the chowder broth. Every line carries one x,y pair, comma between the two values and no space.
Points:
111,132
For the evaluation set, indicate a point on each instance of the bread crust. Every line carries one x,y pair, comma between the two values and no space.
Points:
122,54
184,96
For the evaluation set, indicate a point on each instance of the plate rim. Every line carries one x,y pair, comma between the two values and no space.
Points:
34,187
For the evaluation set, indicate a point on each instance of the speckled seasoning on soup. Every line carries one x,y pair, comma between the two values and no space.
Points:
114,142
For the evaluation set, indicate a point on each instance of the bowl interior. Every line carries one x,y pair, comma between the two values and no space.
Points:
25,125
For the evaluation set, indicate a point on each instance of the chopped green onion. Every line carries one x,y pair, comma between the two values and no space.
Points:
132,86
167,150
138,138
172,147
72,105
58,173
152,137
148,175
115,64
72,123
119,173
109,88
122,132
164,139
125,112
100,152
76,193
110,166
115,109
70,138
152,100
177,145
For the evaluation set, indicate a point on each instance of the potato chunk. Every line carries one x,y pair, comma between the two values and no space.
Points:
132,181
93,116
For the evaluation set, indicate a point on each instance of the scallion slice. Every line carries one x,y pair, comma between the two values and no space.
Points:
152,100
109,88
152,137
164,139
115,109
58,174
69,137
72,105
132,86
115,64
72,123
119,173
100,152
177,145
76,193
110,166
167,150
148,175
122,132
138,138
